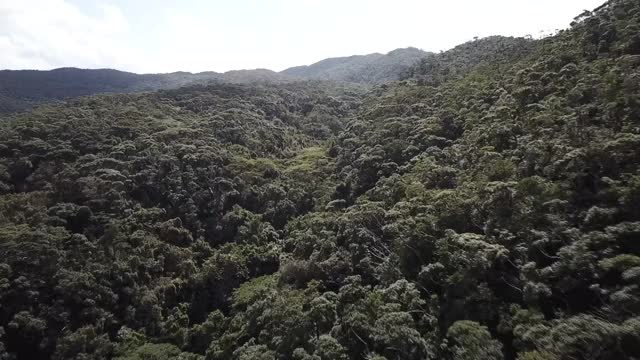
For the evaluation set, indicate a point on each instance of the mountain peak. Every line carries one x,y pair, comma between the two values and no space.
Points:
370,68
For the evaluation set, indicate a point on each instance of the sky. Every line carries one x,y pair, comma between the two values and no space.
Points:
152,36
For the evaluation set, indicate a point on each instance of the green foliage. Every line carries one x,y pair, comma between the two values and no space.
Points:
253,290
621,262
486,207
472,341
156,352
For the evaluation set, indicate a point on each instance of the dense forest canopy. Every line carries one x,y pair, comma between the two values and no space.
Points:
486,206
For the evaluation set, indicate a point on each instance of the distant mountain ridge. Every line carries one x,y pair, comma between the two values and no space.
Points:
372,68
22,89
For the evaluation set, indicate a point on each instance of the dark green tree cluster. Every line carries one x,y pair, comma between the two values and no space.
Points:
130,218
487,207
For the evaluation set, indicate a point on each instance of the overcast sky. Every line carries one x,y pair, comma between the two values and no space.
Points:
213,35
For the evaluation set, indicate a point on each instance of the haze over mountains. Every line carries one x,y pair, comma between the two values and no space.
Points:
22,89
372,68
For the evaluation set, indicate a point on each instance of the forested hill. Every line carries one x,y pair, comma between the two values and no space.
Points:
485,207
369,69
23,89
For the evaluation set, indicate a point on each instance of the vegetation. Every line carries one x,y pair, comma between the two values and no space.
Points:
367,69
23,89
485,207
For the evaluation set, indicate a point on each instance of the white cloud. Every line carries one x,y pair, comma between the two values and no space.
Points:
220,35
45,34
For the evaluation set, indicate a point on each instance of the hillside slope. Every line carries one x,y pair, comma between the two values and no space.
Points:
487,207
490,54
